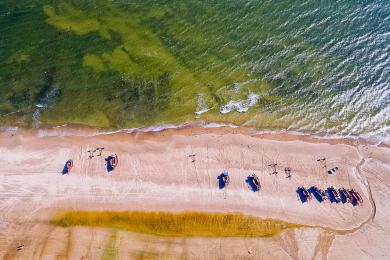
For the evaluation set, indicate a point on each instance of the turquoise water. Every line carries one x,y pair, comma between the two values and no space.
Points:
310,66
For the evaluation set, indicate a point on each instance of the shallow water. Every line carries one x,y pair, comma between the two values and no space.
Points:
315,67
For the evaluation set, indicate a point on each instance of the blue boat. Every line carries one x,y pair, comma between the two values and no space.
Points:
67,167
356,196
353,201
223,180
331,195
253,182
316,193
302,194
111,162
343,196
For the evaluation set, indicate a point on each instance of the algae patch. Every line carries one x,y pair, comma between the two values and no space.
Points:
184,224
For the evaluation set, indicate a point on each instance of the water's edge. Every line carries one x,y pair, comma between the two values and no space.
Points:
80,130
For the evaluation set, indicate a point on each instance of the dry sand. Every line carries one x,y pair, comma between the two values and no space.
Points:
155,172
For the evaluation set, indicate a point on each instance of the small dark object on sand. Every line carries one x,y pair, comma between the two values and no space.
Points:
333,170
100,149
287,171
192,156
273,166
90,156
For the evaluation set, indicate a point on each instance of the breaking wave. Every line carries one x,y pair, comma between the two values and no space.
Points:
240,106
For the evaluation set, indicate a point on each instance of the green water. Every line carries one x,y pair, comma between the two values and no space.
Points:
268,64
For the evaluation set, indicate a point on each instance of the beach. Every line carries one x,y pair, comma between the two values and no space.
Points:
176,170
194,130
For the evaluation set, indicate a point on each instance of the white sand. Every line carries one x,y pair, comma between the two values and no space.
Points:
155,173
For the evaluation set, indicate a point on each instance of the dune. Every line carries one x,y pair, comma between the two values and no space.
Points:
157,173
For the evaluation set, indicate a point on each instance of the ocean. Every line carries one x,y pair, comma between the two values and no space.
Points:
319,67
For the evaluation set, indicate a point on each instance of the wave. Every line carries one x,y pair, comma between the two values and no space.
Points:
240,106
65,131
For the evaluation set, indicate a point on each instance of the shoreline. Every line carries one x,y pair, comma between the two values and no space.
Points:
196,127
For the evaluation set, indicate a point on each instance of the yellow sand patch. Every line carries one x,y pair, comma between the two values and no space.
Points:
175,224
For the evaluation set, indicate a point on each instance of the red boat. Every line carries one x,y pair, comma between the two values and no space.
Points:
357,196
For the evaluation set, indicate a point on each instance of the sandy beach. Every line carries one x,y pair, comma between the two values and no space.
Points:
157,173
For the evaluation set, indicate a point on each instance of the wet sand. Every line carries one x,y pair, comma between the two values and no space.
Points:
155,172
